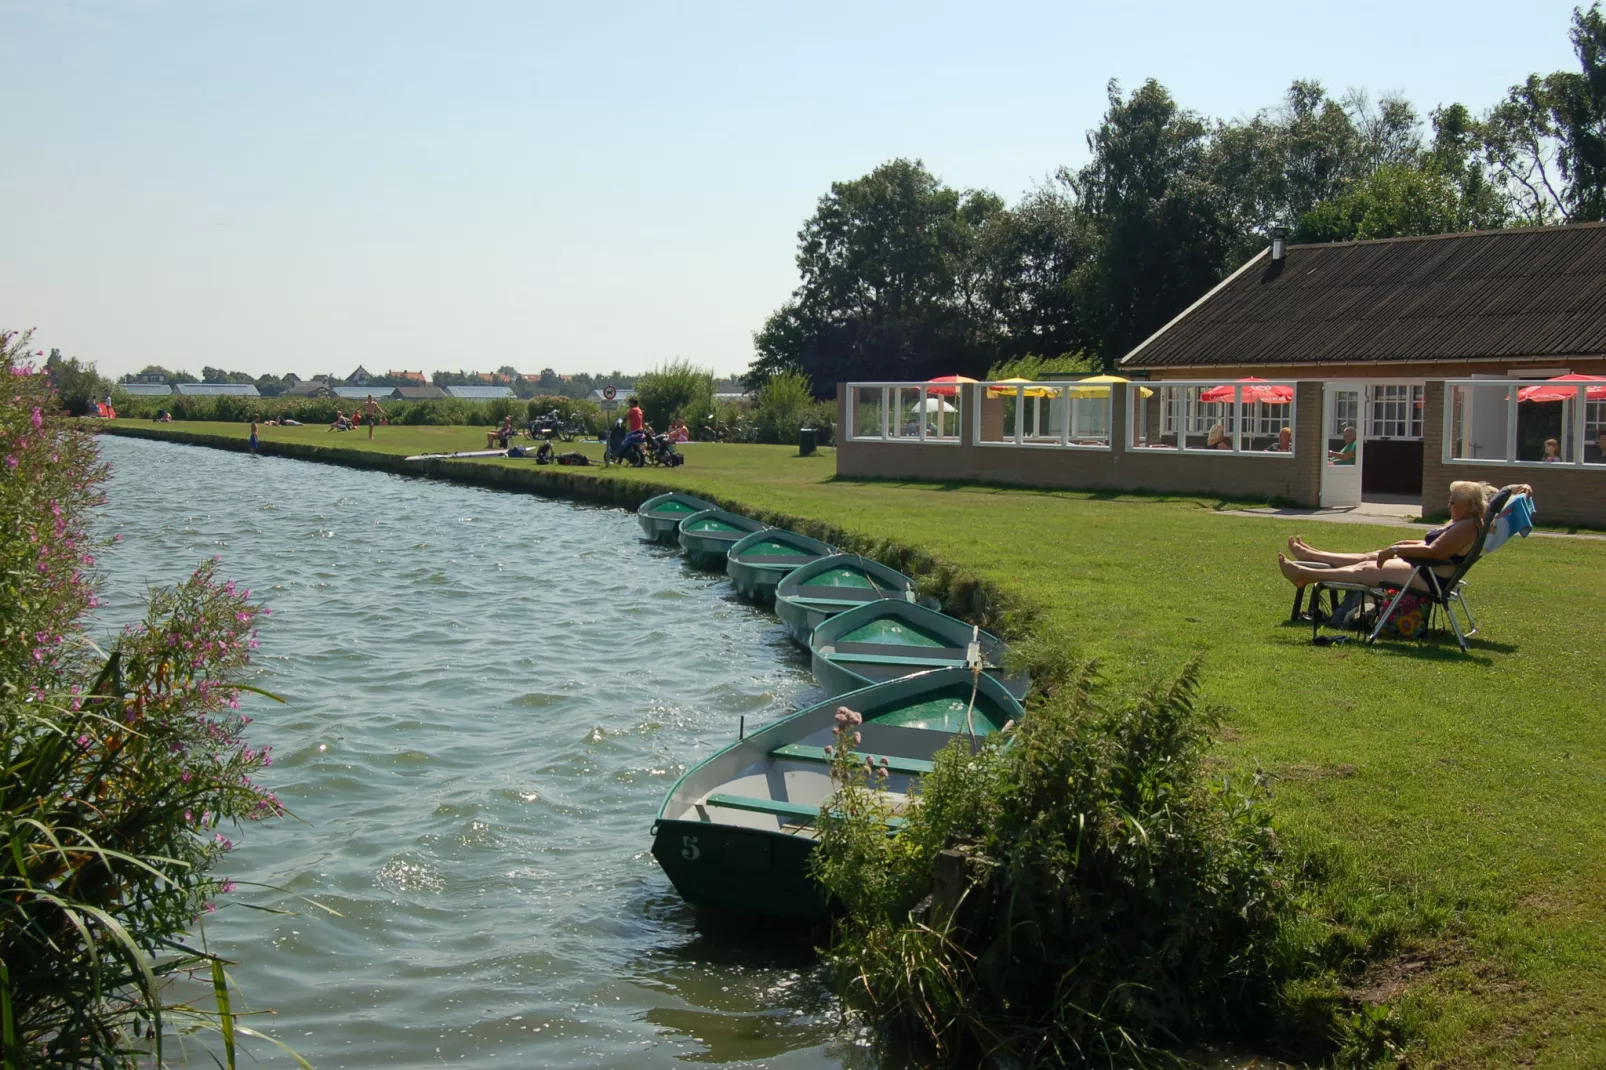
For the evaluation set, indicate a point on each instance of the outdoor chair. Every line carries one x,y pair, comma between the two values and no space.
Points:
1436,592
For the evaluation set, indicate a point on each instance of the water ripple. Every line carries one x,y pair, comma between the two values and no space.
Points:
487,696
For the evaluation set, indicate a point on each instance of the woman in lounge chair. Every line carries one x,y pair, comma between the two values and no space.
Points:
1448,544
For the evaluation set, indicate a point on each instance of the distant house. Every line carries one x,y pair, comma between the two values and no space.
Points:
291,378
360,377
241,390
419,393
731,390
308,388
480,393
145,390
407,377
362,393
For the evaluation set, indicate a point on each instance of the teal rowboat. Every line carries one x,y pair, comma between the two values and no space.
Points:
886,639
761,560
707,536
736,831
821,589
660,517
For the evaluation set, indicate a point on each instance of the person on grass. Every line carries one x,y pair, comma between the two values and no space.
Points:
1345,454
501,435
1448,545
371,412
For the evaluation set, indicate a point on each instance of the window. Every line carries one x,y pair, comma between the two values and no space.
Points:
1346,412
1396,412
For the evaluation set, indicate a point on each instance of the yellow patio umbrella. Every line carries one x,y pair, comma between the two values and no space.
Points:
1098,386
1005,388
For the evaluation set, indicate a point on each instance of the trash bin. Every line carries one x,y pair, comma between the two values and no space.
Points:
808,438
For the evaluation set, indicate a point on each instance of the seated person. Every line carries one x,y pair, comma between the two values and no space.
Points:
1449,544
500,435
1597,453
1552,451
1218,439
1284,443
164,417
341,422
1346,453
678,432
544,454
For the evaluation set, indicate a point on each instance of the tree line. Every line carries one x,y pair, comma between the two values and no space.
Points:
906,278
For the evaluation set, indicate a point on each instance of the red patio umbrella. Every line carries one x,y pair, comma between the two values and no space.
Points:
1255,389
1564,390
946,386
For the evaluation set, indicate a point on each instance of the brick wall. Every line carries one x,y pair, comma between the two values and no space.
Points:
1565,494
1297,480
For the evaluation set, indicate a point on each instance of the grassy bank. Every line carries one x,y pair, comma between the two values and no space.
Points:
1455,804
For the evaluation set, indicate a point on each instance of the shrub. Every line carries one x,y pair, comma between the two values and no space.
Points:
678,389
116,770
1111,899
784,403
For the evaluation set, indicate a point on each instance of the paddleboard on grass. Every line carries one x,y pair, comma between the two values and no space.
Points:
461,453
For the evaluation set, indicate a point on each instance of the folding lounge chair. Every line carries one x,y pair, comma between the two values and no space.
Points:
1439,592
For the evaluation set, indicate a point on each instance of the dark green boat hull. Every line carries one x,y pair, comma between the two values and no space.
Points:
660,517
751,870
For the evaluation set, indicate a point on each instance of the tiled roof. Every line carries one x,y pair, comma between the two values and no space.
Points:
1538,292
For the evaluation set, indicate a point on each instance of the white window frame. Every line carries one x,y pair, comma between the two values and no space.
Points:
1022,437
1513,386
891,402
1201,416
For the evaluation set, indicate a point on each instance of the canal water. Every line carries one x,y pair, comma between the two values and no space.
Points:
487,696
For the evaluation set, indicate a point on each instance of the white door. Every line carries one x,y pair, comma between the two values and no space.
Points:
1341,469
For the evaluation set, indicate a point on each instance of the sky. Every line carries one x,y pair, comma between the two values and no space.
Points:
309,185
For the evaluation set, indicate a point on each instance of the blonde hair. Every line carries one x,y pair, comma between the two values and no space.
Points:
1217,433
1472,492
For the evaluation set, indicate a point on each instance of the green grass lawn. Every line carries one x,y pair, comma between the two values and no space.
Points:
1458,802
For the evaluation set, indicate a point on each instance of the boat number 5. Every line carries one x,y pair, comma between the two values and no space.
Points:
689,849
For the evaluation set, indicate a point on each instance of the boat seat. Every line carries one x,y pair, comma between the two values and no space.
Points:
798,752
818,593
899,649
789,812
752,803
899,659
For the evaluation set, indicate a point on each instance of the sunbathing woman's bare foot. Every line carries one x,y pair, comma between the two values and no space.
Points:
1301,550
1292,571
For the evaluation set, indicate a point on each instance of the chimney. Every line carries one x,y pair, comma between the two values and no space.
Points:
1279,243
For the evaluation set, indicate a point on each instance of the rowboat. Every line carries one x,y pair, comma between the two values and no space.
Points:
825,587
886,639
761,560
736,831
660,517
708,535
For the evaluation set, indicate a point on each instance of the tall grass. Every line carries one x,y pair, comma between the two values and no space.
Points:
1076,891
117,770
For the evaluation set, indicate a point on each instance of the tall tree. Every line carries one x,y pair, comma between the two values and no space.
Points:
1522,149
1578,110
1023,260
885,289
1155,223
